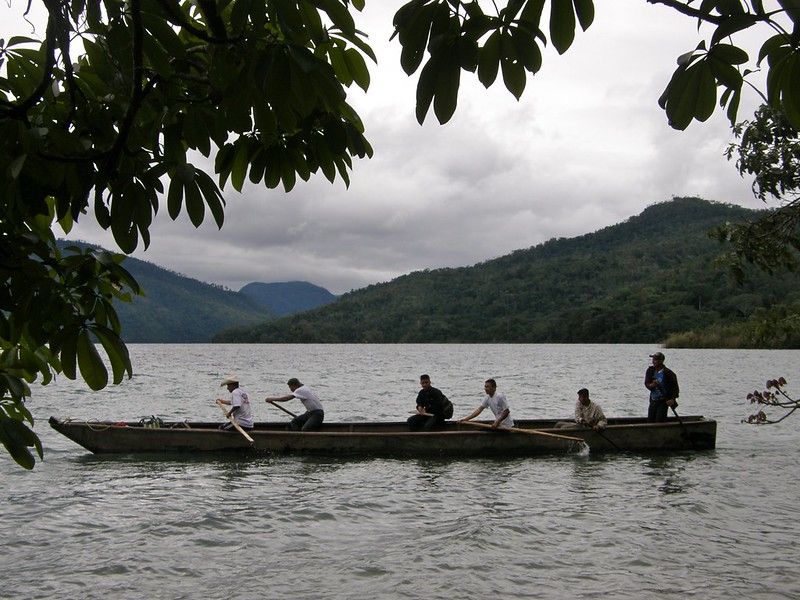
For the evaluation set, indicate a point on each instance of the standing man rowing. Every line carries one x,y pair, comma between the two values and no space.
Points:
663,385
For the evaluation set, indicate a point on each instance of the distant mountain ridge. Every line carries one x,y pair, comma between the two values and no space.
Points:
285,298
634,282
179,309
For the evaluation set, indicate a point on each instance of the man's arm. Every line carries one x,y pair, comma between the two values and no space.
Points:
502,417
280,398
474,414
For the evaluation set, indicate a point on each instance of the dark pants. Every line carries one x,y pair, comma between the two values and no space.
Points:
422,422
308,421
657,411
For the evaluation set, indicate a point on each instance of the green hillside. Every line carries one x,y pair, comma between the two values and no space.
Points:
635,282
178,309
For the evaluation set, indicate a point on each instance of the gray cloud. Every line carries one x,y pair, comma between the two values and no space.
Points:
587,146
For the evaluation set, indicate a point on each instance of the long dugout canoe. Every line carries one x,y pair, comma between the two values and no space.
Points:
536,437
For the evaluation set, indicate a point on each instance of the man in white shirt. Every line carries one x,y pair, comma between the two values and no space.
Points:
239,403
314,415
497,402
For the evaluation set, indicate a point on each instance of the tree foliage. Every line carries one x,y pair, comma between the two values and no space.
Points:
106,115
774,396
769,151
126,106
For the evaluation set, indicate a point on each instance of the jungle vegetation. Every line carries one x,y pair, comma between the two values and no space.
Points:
657,274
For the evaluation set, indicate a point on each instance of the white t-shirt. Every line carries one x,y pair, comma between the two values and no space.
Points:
498,404
308,398
243,416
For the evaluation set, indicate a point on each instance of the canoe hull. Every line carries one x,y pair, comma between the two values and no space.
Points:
389,439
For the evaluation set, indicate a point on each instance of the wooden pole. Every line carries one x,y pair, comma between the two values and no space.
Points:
276,405
518,430
235,424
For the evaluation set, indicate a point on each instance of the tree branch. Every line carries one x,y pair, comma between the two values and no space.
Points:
687,10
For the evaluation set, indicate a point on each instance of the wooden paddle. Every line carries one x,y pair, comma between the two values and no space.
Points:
606,438
518,430
235,424
696,438
276,405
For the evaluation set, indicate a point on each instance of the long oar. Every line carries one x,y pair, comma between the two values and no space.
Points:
528,431
606,438
235,424
276,405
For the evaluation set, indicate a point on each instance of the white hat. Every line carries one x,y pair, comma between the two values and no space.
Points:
229,380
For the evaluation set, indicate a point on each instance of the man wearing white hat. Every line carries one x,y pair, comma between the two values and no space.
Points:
239,403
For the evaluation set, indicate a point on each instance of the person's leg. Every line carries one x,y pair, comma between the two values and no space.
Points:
299,421
416,422
434,422
314,420
651,412
661,412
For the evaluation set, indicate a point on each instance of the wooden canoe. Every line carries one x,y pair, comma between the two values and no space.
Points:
389,439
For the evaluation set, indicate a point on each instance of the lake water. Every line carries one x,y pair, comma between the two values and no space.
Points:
715,524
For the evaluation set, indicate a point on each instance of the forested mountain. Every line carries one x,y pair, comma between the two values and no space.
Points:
287,297
635,282
178,309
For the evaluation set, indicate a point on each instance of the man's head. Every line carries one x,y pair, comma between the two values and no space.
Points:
231,382
425,381
294,383
489,386
583,396
658,358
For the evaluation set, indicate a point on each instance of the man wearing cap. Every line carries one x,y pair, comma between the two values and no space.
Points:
663,385
587,414
239,403
314,415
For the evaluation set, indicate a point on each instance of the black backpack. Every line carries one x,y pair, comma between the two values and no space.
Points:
448,408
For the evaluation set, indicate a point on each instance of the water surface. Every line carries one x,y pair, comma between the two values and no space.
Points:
715,524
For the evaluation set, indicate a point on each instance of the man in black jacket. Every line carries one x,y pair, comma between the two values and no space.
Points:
431,404
663,385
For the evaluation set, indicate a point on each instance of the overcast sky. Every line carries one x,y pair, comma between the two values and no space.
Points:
586,147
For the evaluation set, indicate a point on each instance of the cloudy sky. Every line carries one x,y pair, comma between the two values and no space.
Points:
586,147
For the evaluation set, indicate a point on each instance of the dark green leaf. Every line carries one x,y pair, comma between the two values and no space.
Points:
195,207
239,167
732,55
489,61
175,197
731,25
358,68
116,351
513,77
93,370
446,98
562,24
584,9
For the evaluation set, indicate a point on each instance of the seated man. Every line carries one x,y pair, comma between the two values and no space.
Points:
313,417
239,403
431,407
587,414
